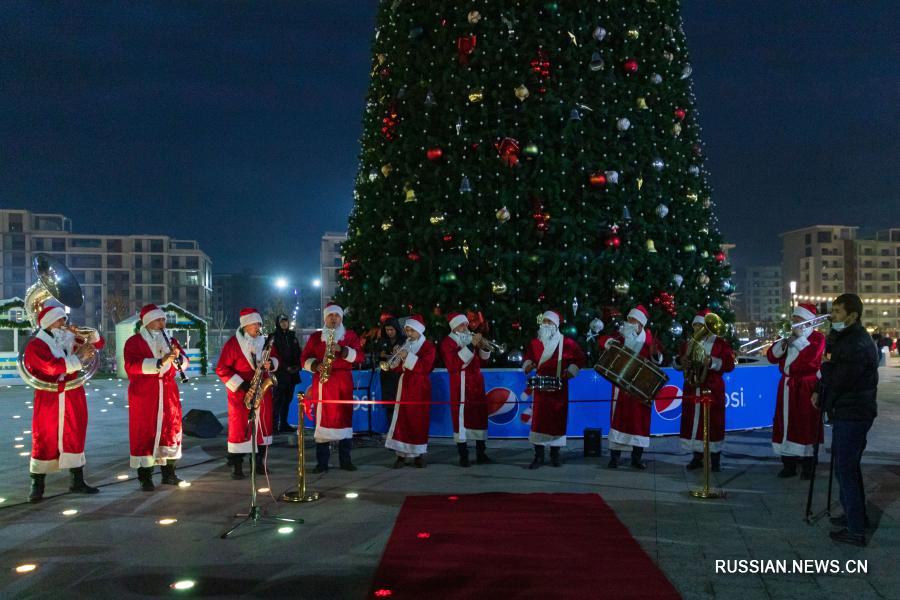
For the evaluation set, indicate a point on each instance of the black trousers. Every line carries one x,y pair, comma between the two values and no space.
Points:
282,396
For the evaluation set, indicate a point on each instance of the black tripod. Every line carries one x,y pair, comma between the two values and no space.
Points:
254,515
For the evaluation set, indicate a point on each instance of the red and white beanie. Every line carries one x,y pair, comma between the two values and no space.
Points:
700,318
151,312
456,319
332,309
416,322
552,315
640,314
805,311
250,316
50,315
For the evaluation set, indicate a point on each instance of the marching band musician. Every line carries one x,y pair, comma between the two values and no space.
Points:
553,355
463,355
629,416
408,433
719,360
59,422
236,367
154,405
797,424
334,422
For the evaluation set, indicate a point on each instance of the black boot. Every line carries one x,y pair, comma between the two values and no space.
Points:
419,461
789,468
636,453
614,456
323,453
538,457
463,449
344,447
715,459
399,463
481,457
78,484
37,488
237,466
696,461
806,468
554,456
144,479
168,473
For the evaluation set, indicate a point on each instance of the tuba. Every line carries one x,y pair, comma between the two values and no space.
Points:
695,369
53,281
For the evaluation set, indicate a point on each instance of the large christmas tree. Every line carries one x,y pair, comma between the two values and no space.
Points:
518,156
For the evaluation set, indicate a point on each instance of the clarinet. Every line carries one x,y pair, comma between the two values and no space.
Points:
177,364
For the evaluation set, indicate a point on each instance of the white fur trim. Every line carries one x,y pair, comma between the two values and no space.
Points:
619,440
240,447
715,364
410,362
545,439
71,460
274,362
415,326
331,434
465,355
804,314
152,315
527,366
573,369
234,383
457,321
250,319
308,365
53,315
792,449
72,364
404,449
478,435
800,343
39,467
638,316
333,310
148,366
484,354
552,316
351,354
698,320
778,350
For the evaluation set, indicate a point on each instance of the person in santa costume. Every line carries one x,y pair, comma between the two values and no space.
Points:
334,422
464,356
408,434
553,355
719,360
629,416
797,424
59,421
154,406
237,364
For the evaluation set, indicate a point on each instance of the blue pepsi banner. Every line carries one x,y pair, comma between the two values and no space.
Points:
750,402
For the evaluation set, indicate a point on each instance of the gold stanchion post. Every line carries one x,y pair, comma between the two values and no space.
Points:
705,492
301,495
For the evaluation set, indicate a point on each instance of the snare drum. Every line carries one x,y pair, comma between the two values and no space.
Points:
625,369
545,383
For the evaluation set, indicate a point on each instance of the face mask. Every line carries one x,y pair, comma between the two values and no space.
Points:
838,325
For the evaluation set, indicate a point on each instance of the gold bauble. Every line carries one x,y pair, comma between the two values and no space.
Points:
640,182
642,103
385,225
522,92
476,96
676,129
386,169
633,34
650,246
474,17
498,287
622,287
436,218
465,248
409,192
503,215
692,196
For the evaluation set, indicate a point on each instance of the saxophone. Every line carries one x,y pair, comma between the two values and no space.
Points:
260,383
330,355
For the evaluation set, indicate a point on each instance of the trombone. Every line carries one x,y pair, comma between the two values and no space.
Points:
785,334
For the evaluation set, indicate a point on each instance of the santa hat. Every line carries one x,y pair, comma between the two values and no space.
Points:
456,319
333,309
700,318
416,322
50,315
639,313
552,315
386,316
250,316
151,312
805,311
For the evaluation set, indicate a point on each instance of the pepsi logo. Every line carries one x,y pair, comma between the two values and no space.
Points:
503,405
668,403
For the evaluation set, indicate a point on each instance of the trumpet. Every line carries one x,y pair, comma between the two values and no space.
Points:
492,346
394,359
785,334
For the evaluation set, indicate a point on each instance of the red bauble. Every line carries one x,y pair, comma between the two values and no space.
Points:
434,154
630,66
465,46
516,325
385,72
541,297
448,237
413,256
613,241
541,64
598,180
508,149
720,256
680,114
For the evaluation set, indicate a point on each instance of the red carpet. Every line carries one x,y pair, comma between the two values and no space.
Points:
499,546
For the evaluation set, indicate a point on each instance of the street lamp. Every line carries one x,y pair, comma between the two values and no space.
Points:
793,287
317,283
281,283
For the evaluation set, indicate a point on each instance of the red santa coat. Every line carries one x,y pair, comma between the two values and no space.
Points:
797,424
235,366
59,421
550,410
333,421
408,433
629,417
468,406
692,411
154,406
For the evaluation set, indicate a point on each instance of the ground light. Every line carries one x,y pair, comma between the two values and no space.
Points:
184,584
184,484
122,477
351,495
285,530
70,511
167,521
26,568
262,490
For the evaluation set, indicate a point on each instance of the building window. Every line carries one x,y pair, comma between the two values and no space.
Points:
85,261
156,245
114,261
192,262
113,245
156,261
823,236
16,222
808,238
85,243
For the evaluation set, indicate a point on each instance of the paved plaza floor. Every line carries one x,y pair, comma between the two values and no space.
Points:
114,547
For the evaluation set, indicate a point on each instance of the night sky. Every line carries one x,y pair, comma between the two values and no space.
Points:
237,124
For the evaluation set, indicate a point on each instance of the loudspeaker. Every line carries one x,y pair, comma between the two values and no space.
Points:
593,440
201,423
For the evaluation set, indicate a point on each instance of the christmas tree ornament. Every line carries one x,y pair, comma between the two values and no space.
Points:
476,96
413,256
415,33
668,56
541,63
678,279
447,238
694,170
508,149
465,248
530,150
680,114
474,16
686,71
704,254
575,306
573,39
612,177
574,115
676,329
651,247
597,179
596,63
516,325
640,182
465,46
551,6
703,279
409,193
612,238
464,186
569,330
385,280
662,210
387,224
389,123
642,103
691,196
727,286
623,124
704,230
622,287
676,129
515,357
434,154
626,214
720,256
522,92
429,99
503,215
498,286
436,218
656,78
385,72
373,175
386,169
630,66
594,329
381,57
458,126
690,248
707,203
658,164
632,34
448,277
599,33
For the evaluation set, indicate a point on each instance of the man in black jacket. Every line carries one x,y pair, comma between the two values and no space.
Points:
848,387
288,347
